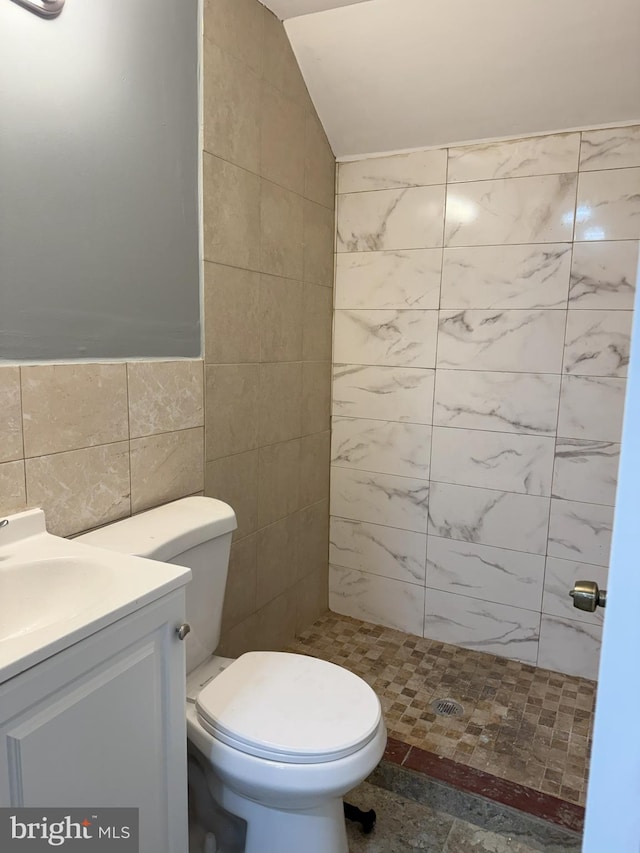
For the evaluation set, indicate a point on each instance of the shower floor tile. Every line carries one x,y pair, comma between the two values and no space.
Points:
529,726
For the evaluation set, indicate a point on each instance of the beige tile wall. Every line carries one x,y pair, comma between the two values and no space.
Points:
269,190
91,443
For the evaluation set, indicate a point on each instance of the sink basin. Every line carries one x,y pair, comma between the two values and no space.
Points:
55,592
37,594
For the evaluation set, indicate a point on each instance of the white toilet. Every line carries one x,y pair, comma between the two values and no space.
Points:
275,740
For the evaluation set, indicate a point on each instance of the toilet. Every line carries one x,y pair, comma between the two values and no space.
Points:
275,740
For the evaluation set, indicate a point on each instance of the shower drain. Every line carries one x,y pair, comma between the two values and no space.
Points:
447,708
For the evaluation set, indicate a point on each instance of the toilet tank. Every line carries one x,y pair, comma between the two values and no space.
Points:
193,532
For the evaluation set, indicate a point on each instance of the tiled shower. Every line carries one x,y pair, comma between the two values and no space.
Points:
483,307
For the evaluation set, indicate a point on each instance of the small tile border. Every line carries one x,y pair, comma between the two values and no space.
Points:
468,779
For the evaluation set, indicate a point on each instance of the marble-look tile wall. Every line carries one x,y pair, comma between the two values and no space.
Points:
482,318
269,199
91,443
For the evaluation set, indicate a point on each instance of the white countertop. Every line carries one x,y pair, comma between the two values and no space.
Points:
91,587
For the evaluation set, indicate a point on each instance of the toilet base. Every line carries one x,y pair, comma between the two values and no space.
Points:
242,825
314,830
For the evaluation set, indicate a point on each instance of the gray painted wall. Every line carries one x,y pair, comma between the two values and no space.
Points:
99,181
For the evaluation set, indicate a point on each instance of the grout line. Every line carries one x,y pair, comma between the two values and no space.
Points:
435,385
126,375
394,249
24,455
405,186
479,370
553,466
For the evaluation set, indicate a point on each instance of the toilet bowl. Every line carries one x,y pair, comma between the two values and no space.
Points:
275,739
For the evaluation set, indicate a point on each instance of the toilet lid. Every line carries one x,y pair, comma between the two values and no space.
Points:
290,708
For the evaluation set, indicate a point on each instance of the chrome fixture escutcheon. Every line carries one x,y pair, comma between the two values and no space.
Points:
183,630
587,595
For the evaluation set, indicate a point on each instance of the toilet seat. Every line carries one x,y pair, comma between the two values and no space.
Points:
289,708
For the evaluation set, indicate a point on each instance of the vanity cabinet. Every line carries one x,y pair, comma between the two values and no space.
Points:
102,723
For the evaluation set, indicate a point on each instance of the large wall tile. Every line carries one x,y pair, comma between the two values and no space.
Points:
70,406
396,554
13,494
604,274
166,467
493,460
380,498
277,560
580,531
240,591
559,579
591,407
488,517
504,402
390,219
280,402
391,279
377,599
314,539
531,352
312,598
415,169
613,148
237,26
385,393
231,211
536,155
234,480
278,489
506,276
315,456
384,446
527,341
276,622
319,164
319,224
570,646
317,323
280,66
515,210
481,625
490,574
164,396
316,396
282,139
231,402
392,338
597,343
608,205
280,319
280,231
231,314
11,408
586,470
230,88
81,489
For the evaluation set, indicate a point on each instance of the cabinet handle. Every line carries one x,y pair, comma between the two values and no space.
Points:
183,630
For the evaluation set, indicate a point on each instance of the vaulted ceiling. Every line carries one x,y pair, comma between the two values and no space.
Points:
292,8
395,74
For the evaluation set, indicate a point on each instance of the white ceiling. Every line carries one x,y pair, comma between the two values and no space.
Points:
395,74
284,9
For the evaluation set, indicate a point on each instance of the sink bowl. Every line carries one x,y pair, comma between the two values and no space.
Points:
54,592
37,594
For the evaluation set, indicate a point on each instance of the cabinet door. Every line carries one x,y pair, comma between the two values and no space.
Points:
103,724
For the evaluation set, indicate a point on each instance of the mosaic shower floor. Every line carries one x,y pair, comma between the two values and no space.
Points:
529,726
